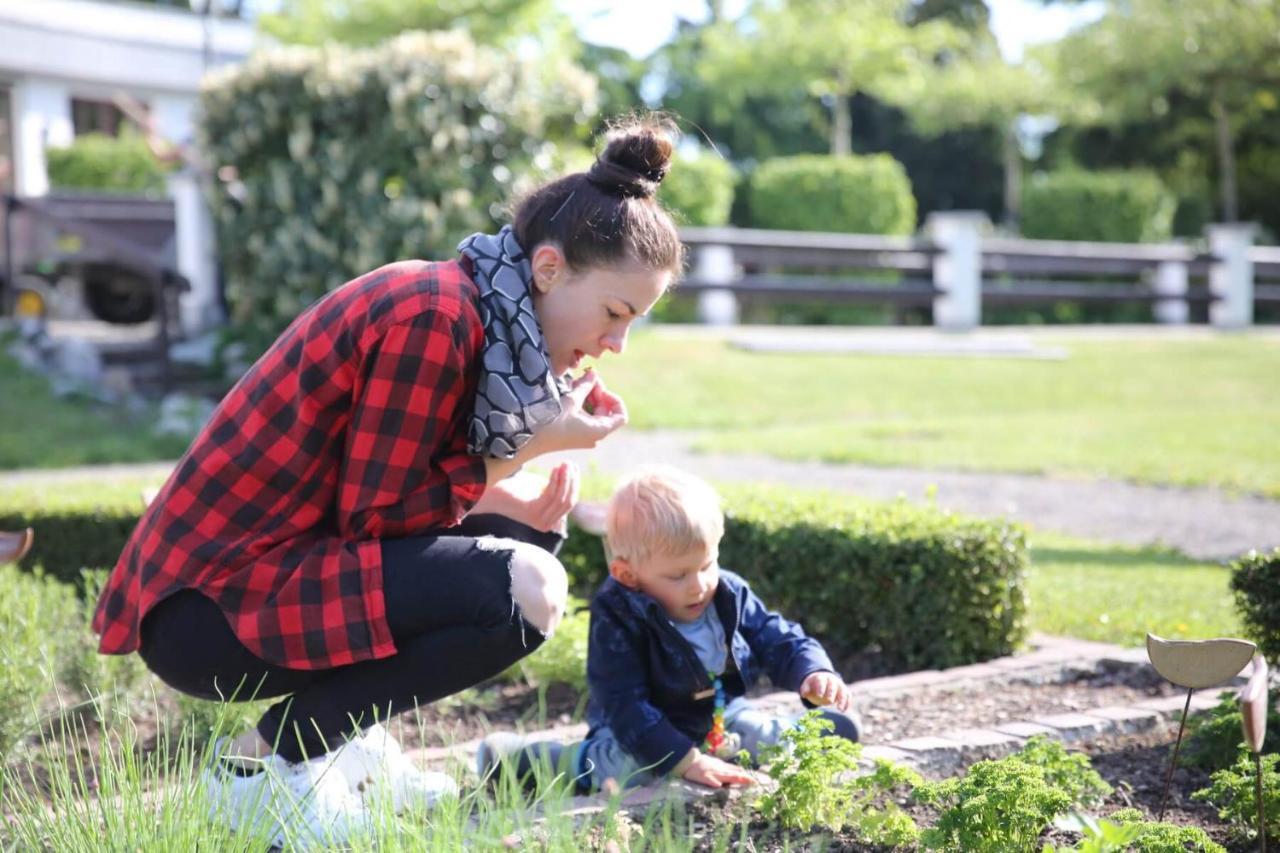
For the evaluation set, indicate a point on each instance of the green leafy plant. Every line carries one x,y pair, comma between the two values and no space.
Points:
1100,836
998,806
1153,837
818,785
96,161
861,194
1233,790
1214,738
1069,772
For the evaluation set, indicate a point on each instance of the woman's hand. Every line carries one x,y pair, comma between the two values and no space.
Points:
589,413
542,503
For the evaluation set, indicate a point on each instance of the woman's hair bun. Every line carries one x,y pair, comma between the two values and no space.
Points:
636,156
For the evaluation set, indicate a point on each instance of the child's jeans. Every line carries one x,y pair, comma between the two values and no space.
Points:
602,756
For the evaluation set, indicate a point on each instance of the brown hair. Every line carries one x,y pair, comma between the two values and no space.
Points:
608,215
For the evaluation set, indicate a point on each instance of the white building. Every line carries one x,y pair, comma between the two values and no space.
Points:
63,61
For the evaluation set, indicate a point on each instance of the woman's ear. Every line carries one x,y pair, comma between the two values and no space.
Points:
549,267
622,572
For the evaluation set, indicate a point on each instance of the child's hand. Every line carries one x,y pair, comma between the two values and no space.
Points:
715,773
826,688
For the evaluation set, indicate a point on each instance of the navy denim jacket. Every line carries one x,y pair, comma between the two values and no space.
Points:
647,683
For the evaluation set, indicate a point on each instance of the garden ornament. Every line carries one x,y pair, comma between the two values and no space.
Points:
14,546
1194,664
1253,711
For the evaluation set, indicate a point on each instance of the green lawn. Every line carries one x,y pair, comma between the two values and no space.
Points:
1188,412
1116,593
39,430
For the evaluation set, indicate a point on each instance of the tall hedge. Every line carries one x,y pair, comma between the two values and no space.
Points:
96,161
334,161
1119,207
700,188
855,194
1255,580
925,587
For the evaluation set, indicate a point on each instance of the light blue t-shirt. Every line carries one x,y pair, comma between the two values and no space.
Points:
706,635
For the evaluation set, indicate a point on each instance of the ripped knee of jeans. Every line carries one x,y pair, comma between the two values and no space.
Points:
539,585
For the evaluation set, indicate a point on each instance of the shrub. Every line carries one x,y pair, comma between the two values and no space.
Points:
1123,207
1255,580
1214,738
818,786
858,194
699,190
1232,790
33,611
859,574
76,526
998,806
96,161
854,573
348,159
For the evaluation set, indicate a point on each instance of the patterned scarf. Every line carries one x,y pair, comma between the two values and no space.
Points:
517,392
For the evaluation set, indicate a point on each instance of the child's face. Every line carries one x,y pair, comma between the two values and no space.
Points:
683,583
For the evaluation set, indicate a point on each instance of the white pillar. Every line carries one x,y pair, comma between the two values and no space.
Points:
718,307
957,268
1231,275
42,119
196,252
1171,285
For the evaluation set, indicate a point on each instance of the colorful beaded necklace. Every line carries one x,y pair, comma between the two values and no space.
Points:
715,737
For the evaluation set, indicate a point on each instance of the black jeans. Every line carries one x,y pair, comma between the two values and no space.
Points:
450,612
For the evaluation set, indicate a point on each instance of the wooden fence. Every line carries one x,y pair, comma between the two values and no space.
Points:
956,270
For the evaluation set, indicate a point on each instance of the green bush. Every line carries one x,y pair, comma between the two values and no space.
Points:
1120,207
36,614
1155,837
699,190
1069,772
96,161
860,574
1255,580
856,574
1233,790
857,194
997,807
1213,739
77,527
347,159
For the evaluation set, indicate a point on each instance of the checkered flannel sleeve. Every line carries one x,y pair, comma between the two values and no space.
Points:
406,466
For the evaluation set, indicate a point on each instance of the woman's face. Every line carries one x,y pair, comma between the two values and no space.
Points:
586,313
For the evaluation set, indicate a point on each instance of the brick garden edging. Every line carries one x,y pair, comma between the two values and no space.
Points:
937,755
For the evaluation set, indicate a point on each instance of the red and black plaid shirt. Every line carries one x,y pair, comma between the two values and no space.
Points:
351,428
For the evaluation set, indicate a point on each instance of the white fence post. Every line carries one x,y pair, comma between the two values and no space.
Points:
1171,285
1231,275
957,268
196,253
718,306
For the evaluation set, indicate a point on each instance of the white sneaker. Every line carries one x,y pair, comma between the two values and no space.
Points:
374,764
305,804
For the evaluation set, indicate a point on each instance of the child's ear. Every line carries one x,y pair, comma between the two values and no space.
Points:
622,572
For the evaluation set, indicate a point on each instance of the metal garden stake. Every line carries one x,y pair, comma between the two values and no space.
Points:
1194,664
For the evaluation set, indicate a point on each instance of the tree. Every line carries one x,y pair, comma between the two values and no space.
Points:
1142,52
978,88
832,49
368,22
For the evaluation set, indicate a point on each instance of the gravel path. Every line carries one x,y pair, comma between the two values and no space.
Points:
1204,523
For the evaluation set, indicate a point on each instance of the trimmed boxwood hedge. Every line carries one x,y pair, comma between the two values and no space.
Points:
1119,207
699,191
1255,580
926,587
858,194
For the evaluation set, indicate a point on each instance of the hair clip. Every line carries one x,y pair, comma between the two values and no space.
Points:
562,206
